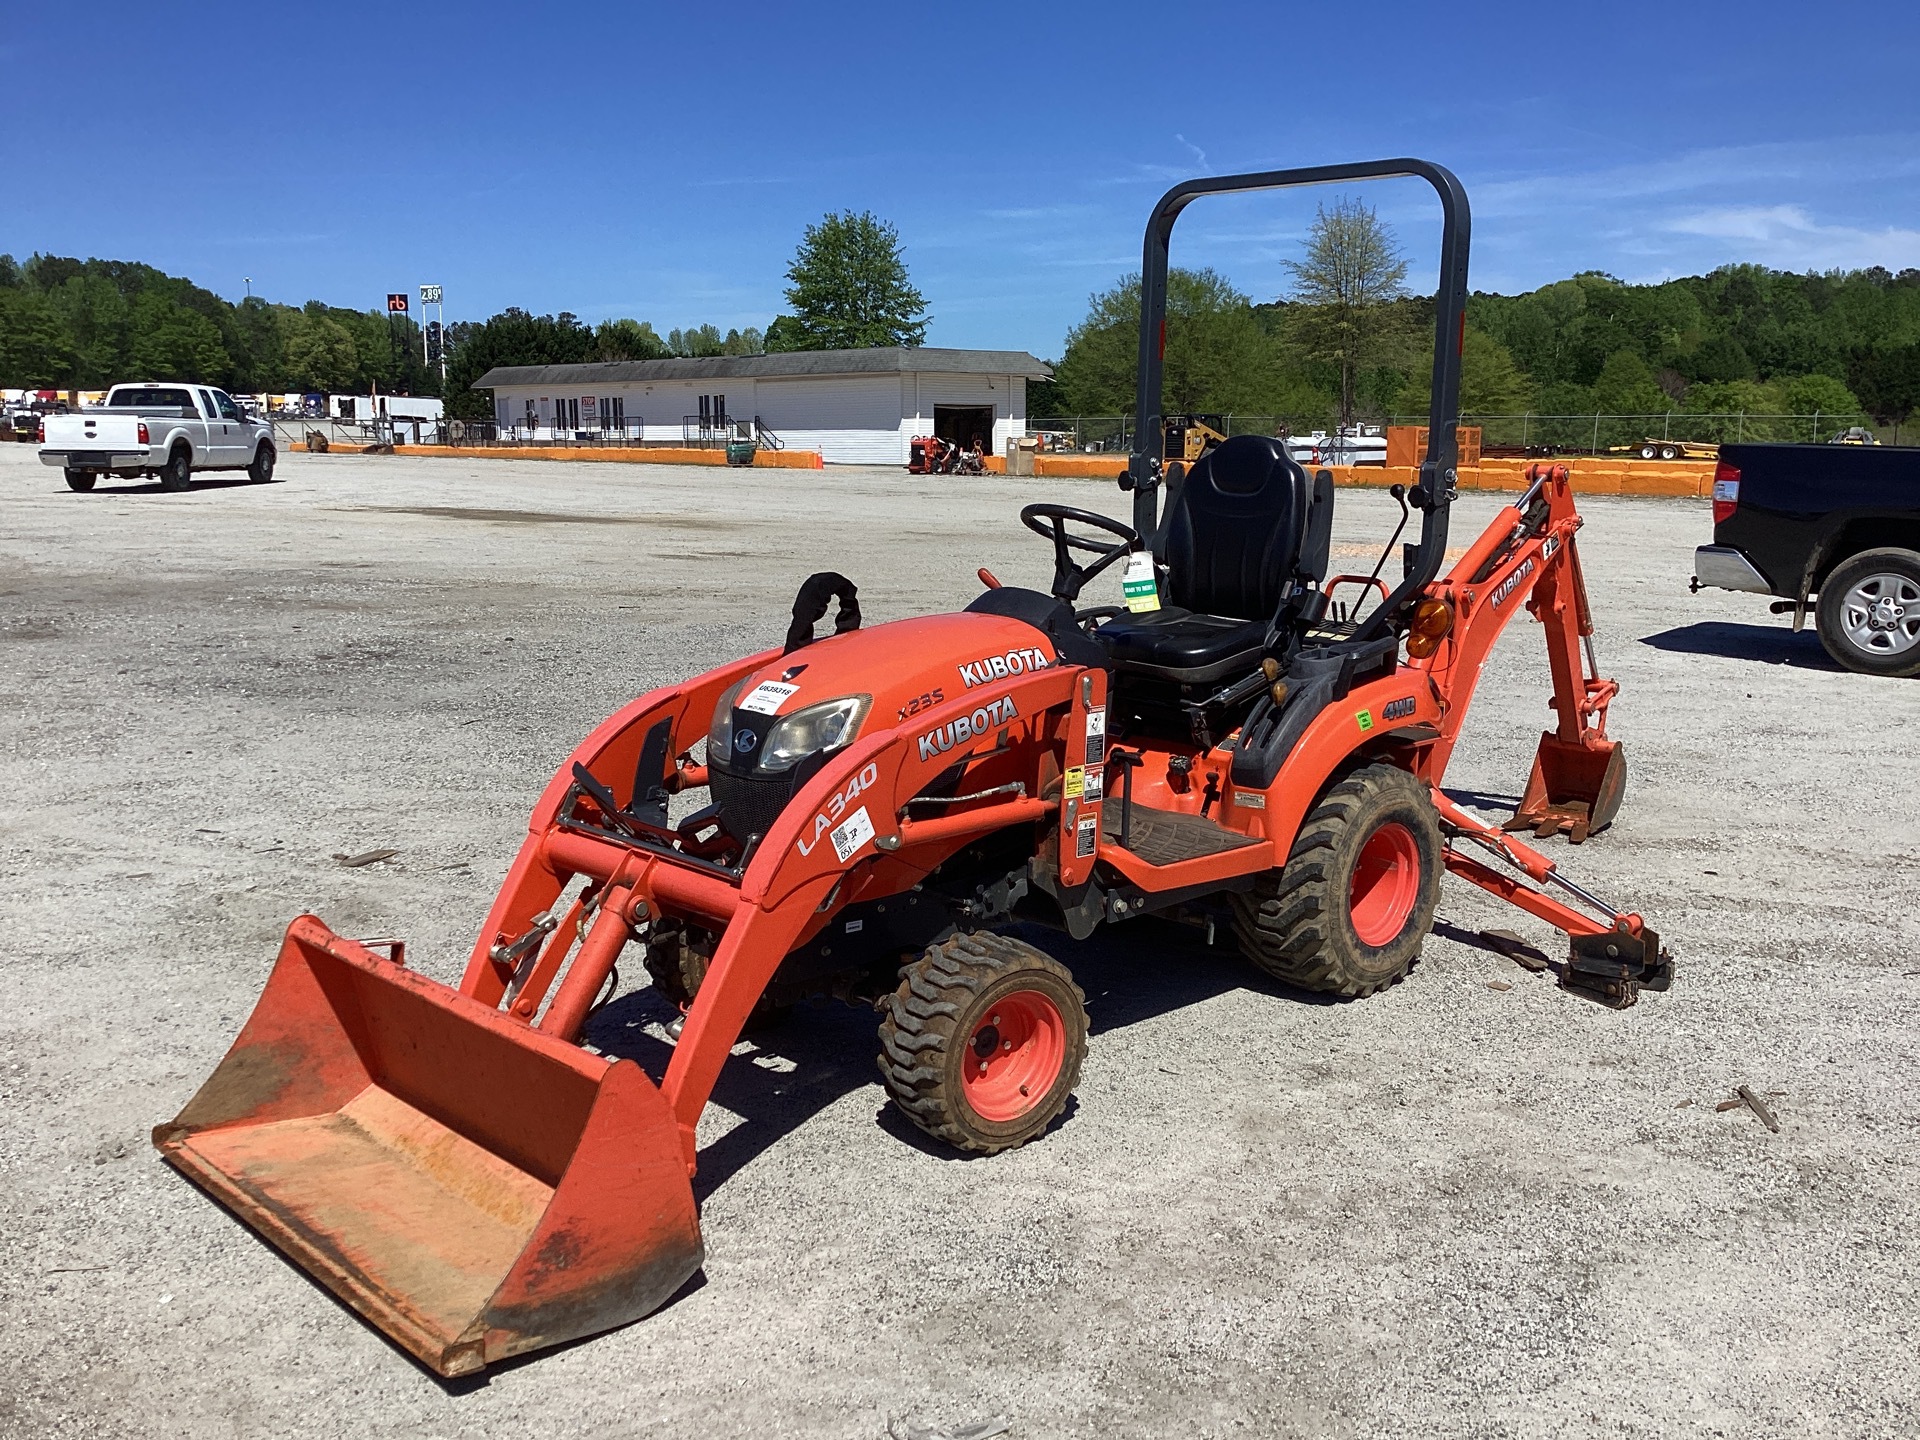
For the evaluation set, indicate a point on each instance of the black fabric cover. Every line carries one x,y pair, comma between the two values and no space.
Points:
811,604
1053,618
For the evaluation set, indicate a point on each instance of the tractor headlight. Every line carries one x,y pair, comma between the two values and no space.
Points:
720,732
817,728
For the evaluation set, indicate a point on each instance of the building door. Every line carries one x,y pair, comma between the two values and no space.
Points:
964,425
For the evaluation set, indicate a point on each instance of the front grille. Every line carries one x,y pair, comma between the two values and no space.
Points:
749,804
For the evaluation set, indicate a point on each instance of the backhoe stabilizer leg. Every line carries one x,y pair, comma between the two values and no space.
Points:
1616,966
1610,960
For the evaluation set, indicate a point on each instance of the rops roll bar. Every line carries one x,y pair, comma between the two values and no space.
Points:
1434,491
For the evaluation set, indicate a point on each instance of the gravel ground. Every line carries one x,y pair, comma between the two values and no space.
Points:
1454,1209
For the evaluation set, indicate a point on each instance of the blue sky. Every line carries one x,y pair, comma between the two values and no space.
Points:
661,162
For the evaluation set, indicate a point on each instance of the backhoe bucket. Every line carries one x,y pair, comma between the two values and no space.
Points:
1576,786
472,1187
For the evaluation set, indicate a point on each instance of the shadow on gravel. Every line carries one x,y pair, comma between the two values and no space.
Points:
824,1050
152,487
1767,644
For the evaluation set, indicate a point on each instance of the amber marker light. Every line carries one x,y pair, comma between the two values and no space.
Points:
1432,619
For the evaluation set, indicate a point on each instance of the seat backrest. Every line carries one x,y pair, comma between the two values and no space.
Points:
1239,525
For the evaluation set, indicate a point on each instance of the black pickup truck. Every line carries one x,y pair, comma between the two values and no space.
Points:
1831,528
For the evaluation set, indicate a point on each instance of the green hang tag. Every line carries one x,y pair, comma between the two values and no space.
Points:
1137,583
1364,719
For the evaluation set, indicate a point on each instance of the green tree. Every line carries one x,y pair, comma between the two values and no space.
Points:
1490,383
744,342
513,337
35,348
696,342
1888,382
1218,357
1626,386
1820,395
320,354
627,340
849,288
1351,269
171,342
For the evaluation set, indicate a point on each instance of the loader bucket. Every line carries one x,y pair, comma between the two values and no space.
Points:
472,1187
1576,786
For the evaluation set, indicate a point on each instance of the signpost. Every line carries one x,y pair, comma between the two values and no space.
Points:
433,336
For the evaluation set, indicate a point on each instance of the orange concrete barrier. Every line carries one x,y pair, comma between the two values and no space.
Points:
762,459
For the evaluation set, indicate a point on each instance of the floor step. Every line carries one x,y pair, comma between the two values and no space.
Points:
1167,837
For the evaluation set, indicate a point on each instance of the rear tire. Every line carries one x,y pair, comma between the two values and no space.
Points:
982,1043
1869,612
261,470
1348,913
177,473
81,480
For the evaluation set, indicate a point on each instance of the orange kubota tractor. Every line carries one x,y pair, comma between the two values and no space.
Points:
865,814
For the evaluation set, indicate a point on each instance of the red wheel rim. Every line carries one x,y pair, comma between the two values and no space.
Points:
1013,1056
1386,882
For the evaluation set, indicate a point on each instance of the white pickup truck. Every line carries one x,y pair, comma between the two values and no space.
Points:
169,430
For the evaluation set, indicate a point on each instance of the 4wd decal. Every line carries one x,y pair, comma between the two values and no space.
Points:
1507,586
1397,709
999,667
858,828
963,728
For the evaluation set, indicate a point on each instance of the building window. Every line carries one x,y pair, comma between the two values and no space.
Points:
566,413
613,413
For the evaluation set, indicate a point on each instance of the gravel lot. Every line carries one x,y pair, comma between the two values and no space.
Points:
1454,1209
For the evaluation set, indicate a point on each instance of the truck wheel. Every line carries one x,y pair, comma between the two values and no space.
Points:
1869,612
1351,908
981,1045
1669,452
178,471
1647,452
261,470
81,480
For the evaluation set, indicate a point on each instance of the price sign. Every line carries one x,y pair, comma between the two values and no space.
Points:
429,294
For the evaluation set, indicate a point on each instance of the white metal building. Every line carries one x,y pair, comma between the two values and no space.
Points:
853,406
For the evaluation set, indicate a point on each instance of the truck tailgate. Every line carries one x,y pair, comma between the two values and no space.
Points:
117,433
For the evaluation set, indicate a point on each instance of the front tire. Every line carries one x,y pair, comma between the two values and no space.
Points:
177,473
982,1043
81,480
261,470
1869,612
1351,908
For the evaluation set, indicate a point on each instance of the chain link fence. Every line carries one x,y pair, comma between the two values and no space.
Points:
1592,434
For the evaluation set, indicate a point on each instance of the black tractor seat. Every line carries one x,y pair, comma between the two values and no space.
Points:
1180,645
1244,523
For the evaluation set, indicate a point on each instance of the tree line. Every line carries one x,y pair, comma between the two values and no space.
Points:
1742,340
86,324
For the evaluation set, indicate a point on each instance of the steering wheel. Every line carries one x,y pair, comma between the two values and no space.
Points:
1050,521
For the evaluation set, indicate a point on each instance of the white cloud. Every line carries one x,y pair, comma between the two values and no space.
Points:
1788,237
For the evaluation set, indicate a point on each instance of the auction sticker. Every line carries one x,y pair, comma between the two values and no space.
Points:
766,697
851,833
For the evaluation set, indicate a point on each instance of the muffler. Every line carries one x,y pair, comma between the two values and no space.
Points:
472,1187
